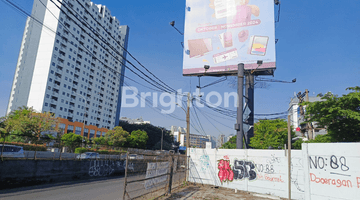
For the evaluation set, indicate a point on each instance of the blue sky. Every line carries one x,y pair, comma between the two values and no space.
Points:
318,45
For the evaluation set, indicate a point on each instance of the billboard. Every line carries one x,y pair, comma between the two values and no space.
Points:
224,33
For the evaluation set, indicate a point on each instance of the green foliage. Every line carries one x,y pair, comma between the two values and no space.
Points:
166,145
26,125
321,139
270,133
153,132
231,144
318,139
28,147
71,140
340,115
297,144
116,137
137,139
33,148
83,150
100,141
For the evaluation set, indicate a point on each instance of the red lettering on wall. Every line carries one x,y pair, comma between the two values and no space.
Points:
337,182
358,181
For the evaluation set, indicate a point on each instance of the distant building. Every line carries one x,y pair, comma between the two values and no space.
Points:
229,137
220,140
212,139
72,72
134,121
179,133
296,118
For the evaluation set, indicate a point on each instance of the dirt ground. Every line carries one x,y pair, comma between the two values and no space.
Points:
211,193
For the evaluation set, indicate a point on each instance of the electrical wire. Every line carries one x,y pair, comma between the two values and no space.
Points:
159,86
166,87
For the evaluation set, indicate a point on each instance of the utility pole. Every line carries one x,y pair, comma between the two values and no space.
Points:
239,120
289,157
249,99
162,135
309,126
188,123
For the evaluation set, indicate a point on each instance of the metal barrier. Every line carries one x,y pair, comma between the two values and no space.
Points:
150,174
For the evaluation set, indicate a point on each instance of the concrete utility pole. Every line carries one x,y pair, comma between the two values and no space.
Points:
239,120
309,126
289,157
249,99
162,135
188,123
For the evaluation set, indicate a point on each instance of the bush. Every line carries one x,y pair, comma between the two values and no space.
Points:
109,152
28,147
318,139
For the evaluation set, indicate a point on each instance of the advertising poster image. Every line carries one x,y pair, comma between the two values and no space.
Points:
224,33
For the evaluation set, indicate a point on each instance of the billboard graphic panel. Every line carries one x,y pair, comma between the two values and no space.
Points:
224,33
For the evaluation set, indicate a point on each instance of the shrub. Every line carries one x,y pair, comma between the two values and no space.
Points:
28,147
109,152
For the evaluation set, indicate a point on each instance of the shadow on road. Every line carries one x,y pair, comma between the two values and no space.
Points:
184,194
49,186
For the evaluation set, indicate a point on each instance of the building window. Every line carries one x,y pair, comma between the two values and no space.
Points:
78,130
70,129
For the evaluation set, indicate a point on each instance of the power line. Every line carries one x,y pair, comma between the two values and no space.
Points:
107,43
165,88
124,48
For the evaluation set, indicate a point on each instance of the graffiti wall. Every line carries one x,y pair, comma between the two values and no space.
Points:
319,171
333,171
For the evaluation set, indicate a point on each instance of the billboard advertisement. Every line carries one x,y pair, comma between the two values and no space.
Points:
224,33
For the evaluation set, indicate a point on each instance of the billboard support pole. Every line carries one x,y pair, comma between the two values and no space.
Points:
249,99
239,120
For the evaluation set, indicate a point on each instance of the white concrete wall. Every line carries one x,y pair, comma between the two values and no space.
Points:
266,171
333,171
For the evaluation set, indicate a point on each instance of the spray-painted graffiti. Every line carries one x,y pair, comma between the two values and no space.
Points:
320,162
225,172
265,168
273,159
329,181
270,177
205,162
101,167
295,174
244,169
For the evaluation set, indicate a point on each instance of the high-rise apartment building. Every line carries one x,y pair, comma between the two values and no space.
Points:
73,64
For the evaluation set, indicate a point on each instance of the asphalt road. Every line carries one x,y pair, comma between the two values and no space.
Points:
105,189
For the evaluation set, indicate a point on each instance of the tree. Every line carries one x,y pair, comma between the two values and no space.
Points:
137,139
27,125
153,132
339,115
270,133
72,141
117,136
318,139
231,144
100,141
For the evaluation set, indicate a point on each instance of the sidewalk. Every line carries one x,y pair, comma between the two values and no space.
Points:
211,192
